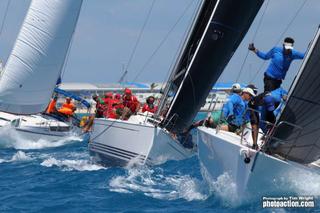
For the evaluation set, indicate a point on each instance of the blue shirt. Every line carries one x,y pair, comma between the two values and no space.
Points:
274,98
237,107
280,63
277,94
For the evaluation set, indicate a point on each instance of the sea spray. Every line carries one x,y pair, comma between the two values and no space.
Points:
153,182
11,138
72,164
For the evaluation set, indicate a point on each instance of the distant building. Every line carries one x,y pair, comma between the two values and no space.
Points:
217,95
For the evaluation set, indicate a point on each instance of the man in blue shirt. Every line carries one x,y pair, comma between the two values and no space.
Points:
281,58
273,101
234,111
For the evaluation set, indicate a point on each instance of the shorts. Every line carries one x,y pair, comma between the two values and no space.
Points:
233,128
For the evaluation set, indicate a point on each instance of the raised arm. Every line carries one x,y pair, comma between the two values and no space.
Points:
298,55
262,55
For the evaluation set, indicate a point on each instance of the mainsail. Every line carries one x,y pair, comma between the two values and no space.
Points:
297,136
37,58
220,28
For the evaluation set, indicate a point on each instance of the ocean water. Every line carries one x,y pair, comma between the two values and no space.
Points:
38,176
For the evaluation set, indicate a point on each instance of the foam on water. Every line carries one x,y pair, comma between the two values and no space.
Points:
223,187
11,138
72,164
302,183
154,183
19,156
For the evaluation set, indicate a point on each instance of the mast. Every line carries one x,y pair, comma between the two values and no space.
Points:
37,58
214,40
297,135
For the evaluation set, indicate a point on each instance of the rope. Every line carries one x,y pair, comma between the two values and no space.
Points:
253,38
139,36
162,42
103,131
280,37
69,48
4,17
180,47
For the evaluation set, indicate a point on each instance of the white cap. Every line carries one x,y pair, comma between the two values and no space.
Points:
249,91
288,46
236,86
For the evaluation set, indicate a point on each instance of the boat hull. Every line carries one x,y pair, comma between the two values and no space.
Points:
37,127
121,143
222,154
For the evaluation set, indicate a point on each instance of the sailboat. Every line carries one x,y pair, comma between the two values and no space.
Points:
291,148
34,65
216,31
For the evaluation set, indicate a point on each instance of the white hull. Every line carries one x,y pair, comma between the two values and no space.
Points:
119,143
36,127
221,153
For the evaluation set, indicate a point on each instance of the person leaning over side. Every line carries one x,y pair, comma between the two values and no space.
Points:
281,58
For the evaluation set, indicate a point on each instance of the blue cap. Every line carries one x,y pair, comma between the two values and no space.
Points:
269,102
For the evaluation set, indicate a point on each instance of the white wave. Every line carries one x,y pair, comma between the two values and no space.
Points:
11,138
154,183
69,165
223,187
302,183
19,156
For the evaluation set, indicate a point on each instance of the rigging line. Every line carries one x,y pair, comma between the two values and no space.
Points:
180,45
69,48
4,16
163,41
140,35
253,38
280,37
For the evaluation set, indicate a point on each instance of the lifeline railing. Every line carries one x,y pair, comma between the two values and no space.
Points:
269,135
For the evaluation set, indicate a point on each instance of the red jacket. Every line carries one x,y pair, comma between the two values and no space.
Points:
148,108
132,104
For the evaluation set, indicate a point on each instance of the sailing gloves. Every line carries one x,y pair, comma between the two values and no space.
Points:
230,118
251,47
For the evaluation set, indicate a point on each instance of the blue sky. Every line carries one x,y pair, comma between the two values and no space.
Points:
108,29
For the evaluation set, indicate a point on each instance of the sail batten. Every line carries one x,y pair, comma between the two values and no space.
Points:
37,58
300,142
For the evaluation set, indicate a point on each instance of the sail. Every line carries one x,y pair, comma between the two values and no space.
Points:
297,136
37,58
219,31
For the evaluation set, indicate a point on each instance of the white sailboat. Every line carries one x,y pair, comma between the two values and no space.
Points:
216,32
34,65
291,148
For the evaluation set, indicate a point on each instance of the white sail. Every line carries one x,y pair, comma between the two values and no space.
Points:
37,58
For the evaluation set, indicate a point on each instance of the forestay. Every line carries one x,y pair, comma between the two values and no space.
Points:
219,30
301,143
37,58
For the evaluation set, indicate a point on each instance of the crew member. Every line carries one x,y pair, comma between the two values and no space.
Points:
281,58
236,88
272,105
52,105
253,106
149,105
100,106
130,103
234,111
68,108
108,96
